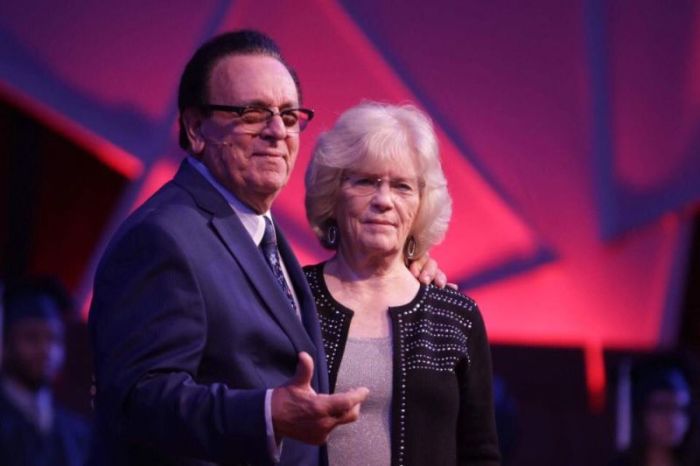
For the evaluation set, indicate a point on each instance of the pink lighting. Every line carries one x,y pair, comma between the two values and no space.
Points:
569,135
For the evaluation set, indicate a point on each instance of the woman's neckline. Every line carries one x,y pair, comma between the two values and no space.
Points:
325,290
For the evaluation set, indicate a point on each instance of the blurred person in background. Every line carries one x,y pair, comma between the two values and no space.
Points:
663,425
377,195
34,429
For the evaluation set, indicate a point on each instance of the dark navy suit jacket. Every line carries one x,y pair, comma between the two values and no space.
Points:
189,328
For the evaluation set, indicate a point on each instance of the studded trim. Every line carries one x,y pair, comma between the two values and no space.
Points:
432,333
333,318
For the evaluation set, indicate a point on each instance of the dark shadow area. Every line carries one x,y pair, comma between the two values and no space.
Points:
554,424
56,199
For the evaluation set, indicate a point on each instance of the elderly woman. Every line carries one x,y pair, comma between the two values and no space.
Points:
376,194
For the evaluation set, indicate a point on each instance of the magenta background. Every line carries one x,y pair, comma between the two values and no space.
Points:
569,130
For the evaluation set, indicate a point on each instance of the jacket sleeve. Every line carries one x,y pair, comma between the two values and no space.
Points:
149,329
477,441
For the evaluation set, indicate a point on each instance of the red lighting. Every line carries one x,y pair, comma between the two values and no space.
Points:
117,159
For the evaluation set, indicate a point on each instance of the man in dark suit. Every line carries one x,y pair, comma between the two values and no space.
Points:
207,346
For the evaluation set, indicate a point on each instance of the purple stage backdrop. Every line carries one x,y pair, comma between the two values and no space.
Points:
569,130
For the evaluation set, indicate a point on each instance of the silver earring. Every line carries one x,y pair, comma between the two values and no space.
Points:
411,247
332,236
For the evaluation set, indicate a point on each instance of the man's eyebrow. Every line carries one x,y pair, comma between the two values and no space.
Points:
262,103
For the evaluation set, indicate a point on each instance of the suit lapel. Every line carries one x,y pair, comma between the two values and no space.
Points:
233,234
307,309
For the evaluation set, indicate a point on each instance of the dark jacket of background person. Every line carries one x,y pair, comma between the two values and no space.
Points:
189,329
440,380
34,429
21,444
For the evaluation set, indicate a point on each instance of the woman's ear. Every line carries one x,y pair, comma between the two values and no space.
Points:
192,119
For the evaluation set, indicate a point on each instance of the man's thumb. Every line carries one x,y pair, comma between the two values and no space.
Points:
305,370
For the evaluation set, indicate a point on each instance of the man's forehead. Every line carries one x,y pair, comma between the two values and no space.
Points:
252,78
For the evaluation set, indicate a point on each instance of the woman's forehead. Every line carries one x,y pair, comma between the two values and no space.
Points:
395,165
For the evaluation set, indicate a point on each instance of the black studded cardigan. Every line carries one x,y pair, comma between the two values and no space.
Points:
442,403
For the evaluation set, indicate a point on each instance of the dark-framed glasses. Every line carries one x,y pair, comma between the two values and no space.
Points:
253,119
362,184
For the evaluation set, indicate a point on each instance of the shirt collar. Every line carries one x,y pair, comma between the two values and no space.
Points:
253,222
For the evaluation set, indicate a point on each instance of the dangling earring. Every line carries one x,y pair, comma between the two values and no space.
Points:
411,248
332,236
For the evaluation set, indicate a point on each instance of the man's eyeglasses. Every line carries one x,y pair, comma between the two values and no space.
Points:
253,119
366,185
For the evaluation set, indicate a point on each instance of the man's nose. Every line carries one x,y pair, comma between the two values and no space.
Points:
275,128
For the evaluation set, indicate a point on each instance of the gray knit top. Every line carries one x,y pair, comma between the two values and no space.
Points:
367,363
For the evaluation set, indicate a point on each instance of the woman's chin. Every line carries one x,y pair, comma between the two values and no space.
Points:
378,249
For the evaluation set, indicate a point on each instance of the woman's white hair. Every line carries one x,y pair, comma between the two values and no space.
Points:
373,135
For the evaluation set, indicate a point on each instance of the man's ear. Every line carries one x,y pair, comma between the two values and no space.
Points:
192,119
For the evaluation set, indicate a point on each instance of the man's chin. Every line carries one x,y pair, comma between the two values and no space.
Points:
272,185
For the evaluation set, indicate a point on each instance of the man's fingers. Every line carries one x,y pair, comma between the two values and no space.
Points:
355,395
310,418
429,272
440,279
415,267
304,371
426,271
351,415
338,404
418,267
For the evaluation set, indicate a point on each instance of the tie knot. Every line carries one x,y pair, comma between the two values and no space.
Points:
269,238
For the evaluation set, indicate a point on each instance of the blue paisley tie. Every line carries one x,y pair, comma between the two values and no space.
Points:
268,246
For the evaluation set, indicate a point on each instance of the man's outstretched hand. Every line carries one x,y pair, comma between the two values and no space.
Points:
300,413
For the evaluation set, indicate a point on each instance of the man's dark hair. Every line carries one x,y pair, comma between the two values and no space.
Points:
42,297
194,82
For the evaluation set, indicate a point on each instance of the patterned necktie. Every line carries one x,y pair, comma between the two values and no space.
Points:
268,246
